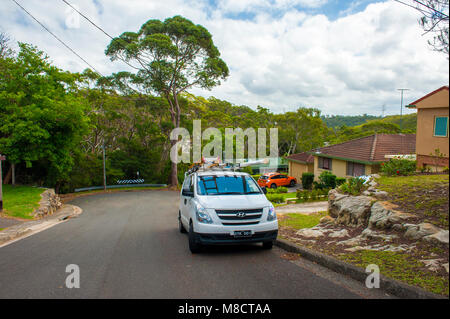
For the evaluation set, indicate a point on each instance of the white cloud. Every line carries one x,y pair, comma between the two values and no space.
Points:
351,65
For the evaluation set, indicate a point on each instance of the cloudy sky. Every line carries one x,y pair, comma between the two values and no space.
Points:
341,56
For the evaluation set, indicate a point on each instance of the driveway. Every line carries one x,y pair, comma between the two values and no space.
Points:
127,245
304,208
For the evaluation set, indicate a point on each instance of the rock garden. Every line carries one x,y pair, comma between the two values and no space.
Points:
399,223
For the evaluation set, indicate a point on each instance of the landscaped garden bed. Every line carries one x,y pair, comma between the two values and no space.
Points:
384,234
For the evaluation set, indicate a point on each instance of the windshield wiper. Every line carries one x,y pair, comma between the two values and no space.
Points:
231,193
255,192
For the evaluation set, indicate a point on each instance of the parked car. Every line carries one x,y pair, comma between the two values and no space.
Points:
225,207
274,180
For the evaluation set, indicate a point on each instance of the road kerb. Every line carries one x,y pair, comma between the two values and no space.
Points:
24,230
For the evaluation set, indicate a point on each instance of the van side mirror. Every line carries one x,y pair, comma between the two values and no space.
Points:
264,189
187,193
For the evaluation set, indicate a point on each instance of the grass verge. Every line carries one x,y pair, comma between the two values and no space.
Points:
20,201
399,266
299,221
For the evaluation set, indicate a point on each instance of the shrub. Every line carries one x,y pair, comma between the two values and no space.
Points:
314,194
307,180
256,177
275,198
353,186
340,181
281,190
398,166
327,179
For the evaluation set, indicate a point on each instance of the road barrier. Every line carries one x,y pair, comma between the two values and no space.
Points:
117,186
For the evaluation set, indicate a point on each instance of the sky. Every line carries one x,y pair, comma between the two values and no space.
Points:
343,57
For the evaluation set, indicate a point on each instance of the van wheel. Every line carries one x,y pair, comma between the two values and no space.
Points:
292,183
273,186
268,244
194,247
180,224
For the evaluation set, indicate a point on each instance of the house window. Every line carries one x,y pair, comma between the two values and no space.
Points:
355,169
441,126
325,163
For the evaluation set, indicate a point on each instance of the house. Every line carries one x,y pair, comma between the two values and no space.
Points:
432,128
361,156
300,163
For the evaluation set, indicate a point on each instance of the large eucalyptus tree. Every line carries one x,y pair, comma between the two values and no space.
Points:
169,57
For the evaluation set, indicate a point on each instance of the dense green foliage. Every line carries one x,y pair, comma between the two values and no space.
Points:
353,186
398,166
327,180
307,180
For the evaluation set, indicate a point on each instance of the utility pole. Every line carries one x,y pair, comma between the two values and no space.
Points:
104,167
2,158
383,109
401,106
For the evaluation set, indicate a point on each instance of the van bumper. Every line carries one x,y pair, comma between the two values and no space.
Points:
227,238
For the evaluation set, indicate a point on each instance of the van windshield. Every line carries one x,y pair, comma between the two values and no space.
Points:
227,185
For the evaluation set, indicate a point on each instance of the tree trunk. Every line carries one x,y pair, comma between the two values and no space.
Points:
13,169
7,178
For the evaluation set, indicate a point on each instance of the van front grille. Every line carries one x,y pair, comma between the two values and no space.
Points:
236,217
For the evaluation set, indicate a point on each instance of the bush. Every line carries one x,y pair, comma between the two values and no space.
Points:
398,166
278,190
307,180
353,186
340,181
327,180
275,198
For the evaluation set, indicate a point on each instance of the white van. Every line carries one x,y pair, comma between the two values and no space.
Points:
225,207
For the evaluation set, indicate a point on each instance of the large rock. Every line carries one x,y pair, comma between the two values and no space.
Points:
439,237
311,232
333,197
349,210
374,235
382,216
416,232
326,220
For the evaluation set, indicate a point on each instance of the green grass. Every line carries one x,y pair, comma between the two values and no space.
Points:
423,195
299,221
391,184
400,266
20,201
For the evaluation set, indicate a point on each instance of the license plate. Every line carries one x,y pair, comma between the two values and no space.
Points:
242,233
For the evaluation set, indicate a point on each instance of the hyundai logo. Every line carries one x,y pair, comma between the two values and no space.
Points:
241,214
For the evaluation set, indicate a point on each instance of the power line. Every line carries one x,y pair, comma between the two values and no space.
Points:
56,37
102,30
431,8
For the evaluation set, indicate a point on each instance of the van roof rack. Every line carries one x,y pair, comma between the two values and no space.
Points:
214,164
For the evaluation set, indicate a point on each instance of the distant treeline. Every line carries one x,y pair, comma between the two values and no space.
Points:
407,122
336,121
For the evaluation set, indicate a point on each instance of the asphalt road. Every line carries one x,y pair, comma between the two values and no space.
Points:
127,245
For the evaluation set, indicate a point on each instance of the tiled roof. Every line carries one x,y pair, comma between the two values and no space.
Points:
302,157
371,148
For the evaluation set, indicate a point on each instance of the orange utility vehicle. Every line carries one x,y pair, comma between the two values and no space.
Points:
274,180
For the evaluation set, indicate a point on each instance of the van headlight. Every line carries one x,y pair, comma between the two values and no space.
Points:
272,215
202,215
